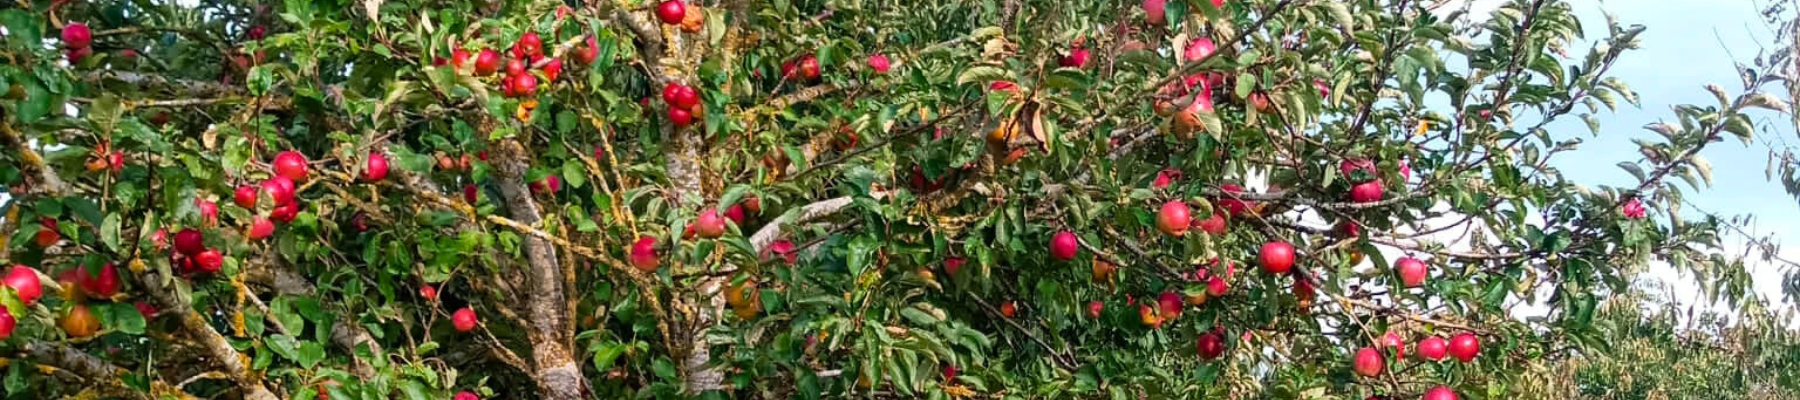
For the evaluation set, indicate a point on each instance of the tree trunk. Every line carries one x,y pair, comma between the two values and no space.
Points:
686,173
556,373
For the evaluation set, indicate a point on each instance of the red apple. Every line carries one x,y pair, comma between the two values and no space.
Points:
552,69
1147,314
459,58
643,254
1439,393
280,189
209,211
1214,225
25,284
1003,86
464,395
284,213
245,196
255,33
1412,271
586,55
1368,362
1276,257
949,371
1077,58
1392,339
524,85
463,319
428,292
1464,346
160,239
1347,228
809,67
1064,245
530,44
375,168
515,67
953,264
145,309
1198,48
1154,12
1169,303
487,62
1173,219
76,35
709,224
469,193
1230,202
680,96
1211,345
735,213
879,63
1366,192
1007,309
260,228
1094,307
1216,286
1350,166
103,284
209,261
47,237
290,164
783,249
190,241
76,55
671,12
1433,348
6,324
680,118
1165,177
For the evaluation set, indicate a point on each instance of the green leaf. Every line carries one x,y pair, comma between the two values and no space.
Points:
982,73
24,30
284,345
37,102
109,232
610,351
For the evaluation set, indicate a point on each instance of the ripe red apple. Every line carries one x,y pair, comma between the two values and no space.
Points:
469,193
783,249
1064,245
552,69
1464,346
209,211
808,67
1007,309
1439,393
1368,362
459,59
1198,48
280,189
949,371
1412,271
487,62
1214,225
524,84
735,213
1350,166
1393,340
1154,12
1366,192
428,292
1230,203
530,44
1169,304
284,213
643,254
190,241
1173,219
709,224
586,55
1094,308
290,164
76,35
47,237
255,33
953,264
1347,228
144,308
102,284
680,96
76,55
465,395
6,324
671,12
1147,314
260,228
1216,286
515,67
1433,348
209,261
1003,86
160,239
375,168
1165,177
1211,345
680,118
1276,257
463,319
1260,101
879,63
25,284
244,196
1077,58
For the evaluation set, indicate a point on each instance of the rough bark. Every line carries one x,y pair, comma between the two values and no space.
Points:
218,351
557,375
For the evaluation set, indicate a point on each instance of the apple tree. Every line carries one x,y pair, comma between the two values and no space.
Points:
801,199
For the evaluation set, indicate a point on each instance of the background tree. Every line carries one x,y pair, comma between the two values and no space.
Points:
1025,198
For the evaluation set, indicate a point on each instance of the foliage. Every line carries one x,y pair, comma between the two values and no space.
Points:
867,258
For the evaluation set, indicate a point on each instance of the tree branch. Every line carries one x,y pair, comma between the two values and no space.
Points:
557,375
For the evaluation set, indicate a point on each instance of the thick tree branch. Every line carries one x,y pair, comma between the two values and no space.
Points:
557,375
30,162
219,351
93,369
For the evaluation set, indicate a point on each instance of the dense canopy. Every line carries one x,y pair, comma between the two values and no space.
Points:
1020,199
